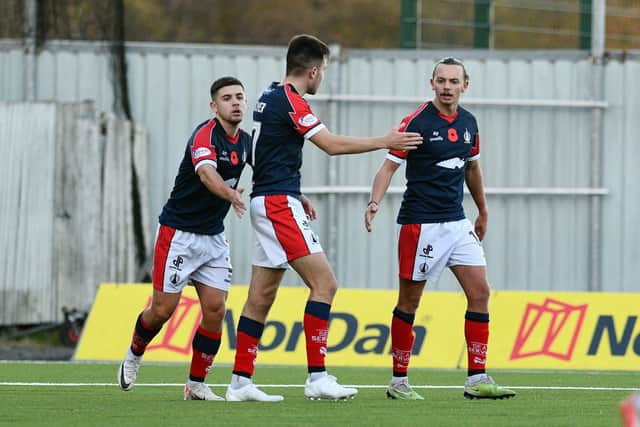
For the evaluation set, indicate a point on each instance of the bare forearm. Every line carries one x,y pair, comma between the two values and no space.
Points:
380,185
475,183
215,184
341,144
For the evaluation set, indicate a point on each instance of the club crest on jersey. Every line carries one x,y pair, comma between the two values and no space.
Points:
201,152
467,137
307,120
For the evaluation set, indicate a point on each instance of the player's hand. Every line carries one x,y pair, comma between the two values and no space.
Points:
237,203
308,207
481,225
369,214
405,141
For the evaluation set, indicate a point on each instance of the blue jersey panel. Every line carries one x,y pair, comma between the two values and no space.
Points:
435,171
282,120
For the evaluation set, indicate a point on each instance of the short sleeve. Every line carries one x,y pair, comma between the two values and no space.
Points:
202,151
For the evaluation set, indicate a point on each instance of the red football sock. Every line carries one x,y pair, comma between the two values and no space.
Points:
316,332
249,333
402,338
205,346
476,332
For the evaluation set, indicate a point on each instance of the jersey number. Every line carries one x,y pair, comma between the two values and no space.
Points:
254,137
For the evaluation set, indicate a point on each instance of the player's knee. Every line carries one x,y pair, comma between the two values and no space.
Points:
160,313
214,313
262,301
480,294
409,304
325,289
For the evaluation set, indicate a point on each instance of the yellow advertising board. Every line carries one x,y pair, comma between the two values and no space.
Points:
528,329
595,331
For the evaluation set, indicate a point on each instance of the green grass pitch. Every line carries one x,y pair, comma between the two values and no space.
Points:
85,394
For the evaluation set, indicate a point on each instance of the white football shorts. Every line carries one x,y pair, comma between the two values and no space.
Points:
282,230
181,257
425,250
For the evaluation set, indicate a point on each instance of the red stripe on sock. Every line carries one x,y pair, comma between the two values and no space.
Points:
401,344
477,336
209,334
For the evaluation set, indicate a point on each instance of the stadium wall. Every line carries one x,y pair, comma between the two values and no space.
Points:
546,140
66,219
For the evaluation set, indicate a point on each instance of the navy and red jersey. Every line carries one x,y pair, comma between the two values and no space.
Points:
435,171
191,206
282,120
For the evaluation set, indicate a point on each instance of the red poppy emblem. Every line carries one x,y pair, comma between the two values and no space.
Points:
234,158
452,134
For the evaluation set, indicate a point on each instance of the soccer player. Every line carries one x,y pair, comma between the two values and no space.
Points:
433,232
190,245
280,215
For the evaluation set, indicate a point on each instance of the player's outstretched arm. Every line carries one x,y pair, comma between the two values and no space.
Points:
475,182
340,144
378,189
214,183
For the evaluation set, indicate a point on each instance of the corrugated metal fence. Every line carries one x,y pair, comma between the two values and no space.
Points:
557,160
66,217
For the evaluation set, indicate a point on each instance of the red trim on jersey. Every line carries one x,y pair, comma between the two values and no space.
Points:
450,118
407,247
160,254
404,124
401,154
202,140
302,116
233,139
475,150
286,228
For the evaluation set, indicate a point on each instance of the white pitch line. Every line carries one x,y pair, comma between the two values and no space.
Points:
451,387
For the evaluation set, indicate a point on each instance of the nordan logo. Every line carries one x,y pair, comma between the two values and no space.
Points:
550,329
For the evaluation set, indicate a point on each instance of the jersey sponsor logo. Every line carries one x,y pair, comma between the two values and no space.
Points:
452,134
401,356
175,278
477,348
436,136
549,329
467,137
454,163
427,251
308,120
201,152
177,262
